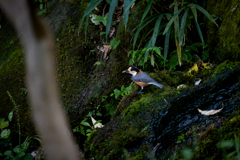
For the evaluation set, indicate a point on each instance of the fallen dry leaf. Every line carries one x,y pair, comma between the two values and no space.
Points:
103,13
111,32
107,49
210,112
100,48
96,9
98,125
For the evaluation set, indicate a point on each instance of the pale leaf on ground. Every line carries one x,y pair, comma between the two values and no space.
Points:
96,9
112,31
100,48
107,49
210,112
98,125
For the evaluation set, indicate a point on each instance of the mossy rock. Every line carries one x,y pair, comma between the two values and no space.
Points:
162,115
224,41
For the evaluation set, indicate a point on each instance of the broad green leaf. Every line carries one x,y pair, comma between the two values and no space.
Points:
86,26
126,14
21,154
199,31
82,131
4,124
146,9
172,20
110,15
157,50
99,18
166,44
184,18
85,124
16,149
205,13
114,43
41,6
194,11
88,131
5,133
10,115
156,30
142,25
8,152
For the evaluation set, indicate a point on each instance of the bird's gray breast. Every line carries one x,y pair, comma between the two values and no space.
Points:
144,77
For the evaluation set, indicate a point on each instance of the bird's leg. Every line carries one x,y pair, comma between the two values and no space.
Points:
140,90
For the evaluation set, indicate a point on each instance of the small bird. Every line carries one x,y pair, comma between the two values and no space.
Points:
141,78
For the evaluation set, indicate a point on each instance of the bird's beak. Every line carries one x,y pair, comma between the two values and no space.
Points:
125,71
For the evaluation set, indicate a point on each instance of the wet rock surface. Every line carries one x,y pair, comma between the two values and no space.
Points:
164,119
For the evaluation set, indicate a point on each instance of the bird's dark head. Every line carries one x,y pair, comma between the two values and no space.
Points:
132,70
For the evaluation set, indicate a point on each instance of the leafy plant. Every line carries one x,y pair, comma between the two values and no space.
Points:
103,20
19,152
179,32
81,128
114,43
137,56
113,4
186,54
122,92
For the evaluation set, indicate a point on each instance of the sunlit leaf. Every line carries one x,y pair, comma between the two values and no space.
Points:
85,124
10,115
4,124
166,44
102,33
184,18
205,13
110,15
146,9
126,14
5,133
114,43
172,20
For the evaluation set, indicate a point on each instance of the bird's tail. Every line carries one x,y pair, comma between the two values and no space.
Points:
156,84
